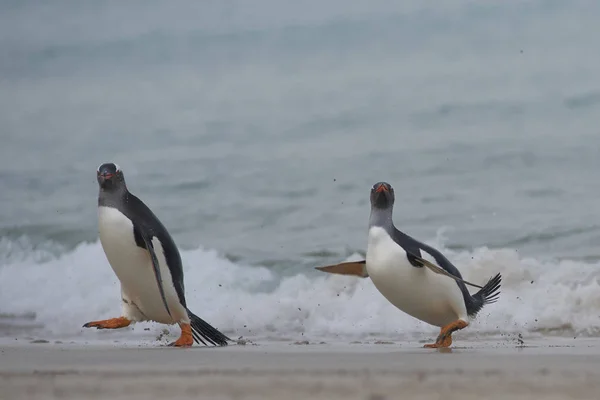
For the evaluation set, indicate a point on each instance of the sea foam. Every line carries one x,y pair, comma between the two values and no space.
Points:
66,290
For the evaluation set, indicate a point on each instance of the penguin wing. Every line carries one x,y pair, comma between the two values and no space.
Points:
445,266
414,250
356,268
410,246
146,238
442,271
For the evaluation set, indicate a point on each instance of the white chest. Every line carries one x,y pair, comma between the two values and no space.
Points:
133,267
382,252
118,241
417,291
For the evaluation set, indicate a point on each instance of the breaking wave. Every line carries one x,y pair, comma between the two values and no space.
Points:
55,294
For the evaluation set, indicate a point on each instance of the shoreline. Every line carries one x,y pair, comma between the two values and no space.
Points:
548,368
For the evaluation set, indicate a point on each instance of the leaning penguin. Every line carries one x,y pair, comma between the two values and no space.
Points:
431,290
147,263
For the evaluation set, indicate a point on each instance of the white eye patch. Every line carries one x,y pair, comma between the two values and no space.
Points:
117,168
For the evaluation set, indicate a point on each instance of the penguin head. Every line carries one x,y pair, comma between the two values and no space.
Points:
110,176
382,195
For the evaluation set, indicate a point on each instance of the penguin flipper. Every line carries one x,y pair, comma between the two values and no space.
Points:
356,268
439,270
414,248
155,265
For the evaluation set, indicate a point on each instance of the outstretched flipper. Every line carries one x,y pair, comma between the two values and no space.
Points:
356,268
487,293
439,270
156,266
414,250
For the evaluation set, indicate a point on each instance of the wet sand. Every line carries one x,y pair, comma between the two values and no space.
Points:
542,369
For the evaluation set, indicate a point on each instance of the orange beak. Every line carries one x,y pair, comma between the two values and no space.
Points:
381,188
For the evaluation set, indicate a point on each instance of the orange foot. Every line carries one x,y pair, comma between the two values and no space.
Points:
445,342
186,339
444,339
113,323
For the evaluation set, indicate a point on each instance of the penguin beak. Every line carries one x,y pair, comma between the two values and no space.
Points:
381,188
106,175
103,177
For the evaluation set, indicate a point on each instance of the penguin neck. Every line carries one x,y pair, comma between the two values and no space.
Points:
112,196
381,217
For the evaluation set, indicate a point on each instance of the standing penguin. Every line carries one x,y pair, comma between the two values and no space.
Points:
147,262
395,263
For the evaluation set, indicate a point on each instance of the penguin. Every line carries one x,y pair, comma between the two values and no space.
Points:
147,263
416,278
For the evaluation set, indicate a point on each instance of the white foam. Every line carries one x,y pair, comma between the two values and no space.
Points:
79,286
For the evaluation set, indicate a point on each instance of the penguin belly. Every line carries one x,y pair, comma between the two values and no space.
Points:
133,267
429,297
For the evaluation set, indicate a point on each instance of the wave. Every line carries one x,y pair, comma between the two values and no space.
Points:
59,293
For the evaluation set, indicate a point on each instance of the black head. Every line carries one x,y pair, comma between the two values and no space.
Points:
382,195
110,176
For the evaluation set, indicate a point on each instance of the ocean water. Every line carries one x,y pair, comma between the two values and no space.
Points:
255,130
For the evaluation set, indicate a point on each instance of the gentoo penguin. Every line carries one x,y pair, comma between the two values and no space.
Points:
395,263
147,262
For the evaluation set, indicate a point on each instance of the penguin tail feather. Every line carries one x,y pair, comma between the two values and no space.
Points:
487,295
204,332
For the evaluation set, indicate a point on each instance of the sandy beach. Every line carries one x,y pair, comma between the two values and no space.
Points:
541,369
